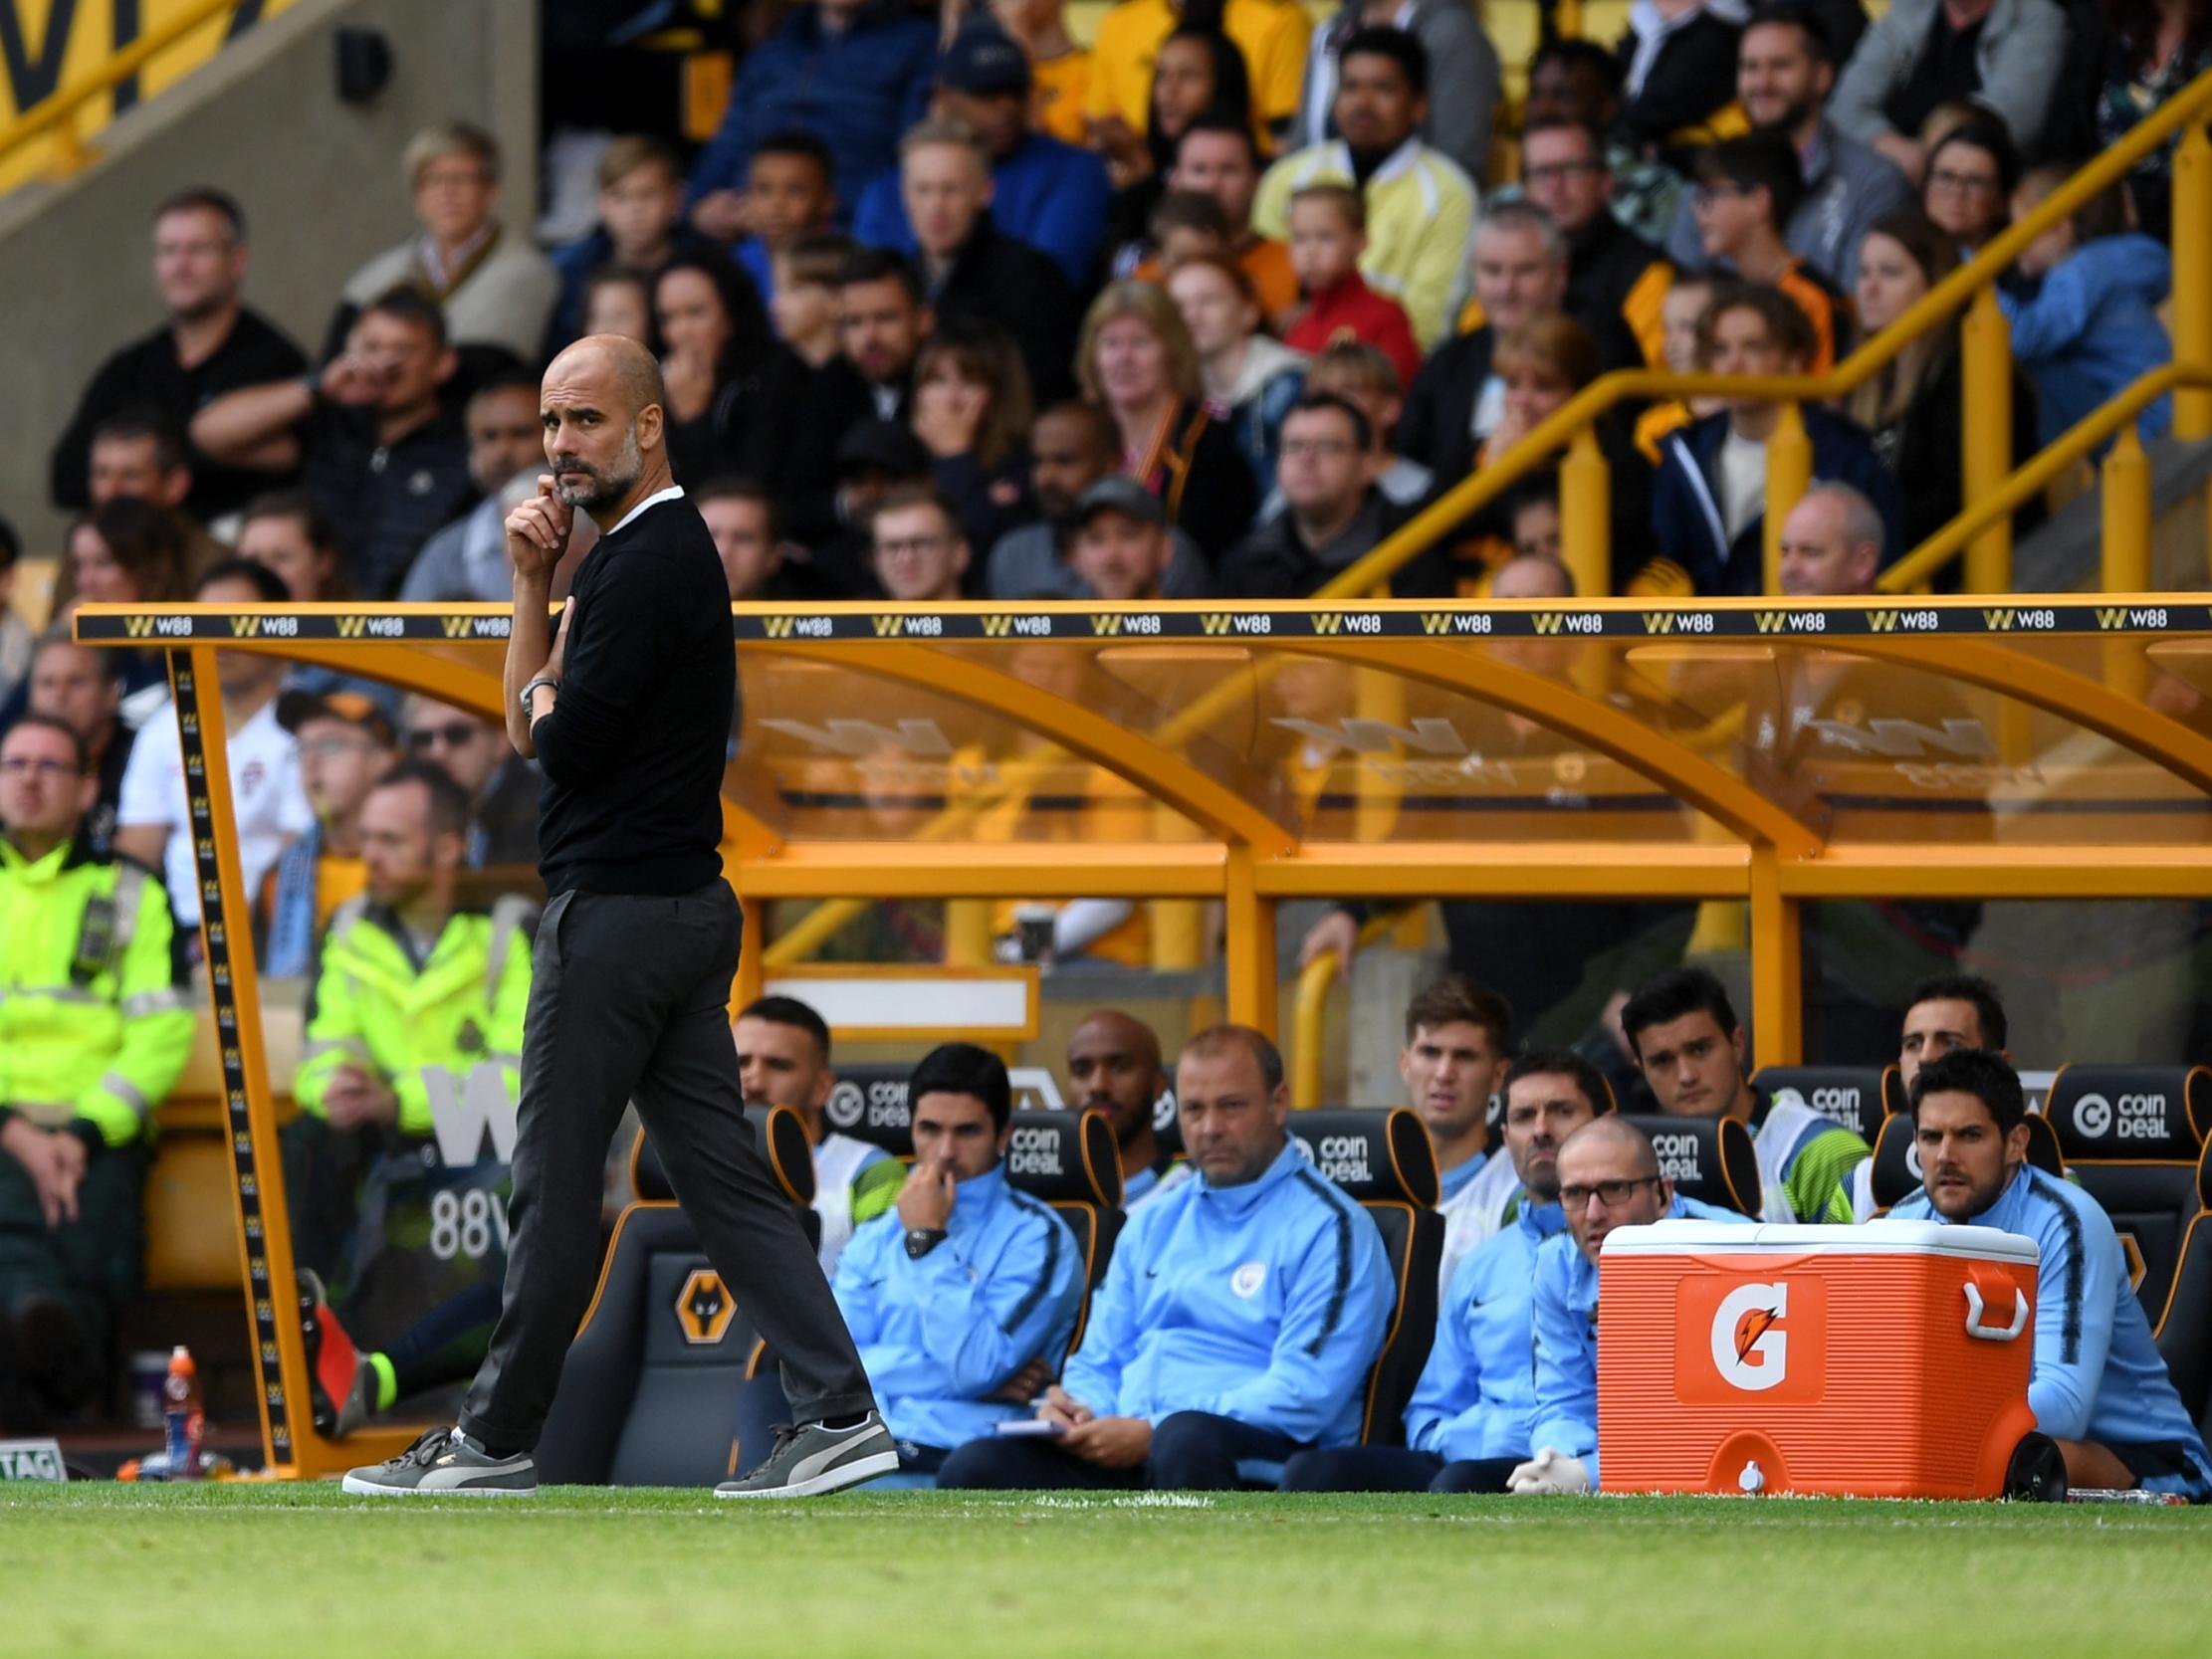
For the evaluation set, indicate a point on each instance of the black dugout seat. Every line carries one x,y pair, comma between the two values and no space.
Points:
1857,1097
2185,1324
2131,1136
1384,1159
1895,1174
665,1351
1710,1159
1069,1160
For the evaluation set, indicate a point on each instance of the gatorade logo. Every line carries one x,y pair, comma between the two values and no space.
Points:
2093,1116
1751,1349
846,1106
1763,1337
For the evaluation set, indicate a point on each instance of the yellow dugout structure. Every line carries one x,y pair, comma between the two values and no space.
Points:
1754,750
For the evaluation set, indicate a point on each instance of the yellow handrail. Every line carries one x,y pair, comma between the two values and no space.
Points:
59,109
2187,107
2033,479
1314,982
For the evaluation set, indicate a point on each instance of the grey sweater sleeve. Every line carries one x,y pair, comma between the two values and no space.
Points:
1465,85
2023,48
1884,58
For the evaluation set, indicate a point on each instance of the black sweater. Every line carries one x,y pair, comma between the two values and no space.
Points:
634,749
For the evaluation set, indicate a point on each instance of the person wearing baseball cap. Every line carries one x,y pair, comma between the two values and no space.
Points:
1048,194
346,744
1118,541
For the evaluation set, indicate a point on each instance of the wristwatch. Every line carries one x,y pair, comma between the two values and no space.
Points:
920,1241
530,690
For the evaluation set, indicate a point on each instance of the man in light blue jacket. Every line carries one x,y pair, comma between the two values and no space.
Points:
1238,1321
1466,1426
1609,1177
951,1295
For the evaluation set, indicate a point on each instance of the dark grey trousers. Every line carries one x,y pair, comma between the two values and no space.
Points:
630,1000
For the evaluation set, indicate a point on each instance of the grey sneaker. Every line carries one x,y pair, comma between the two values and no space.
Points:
811,1460
446,1463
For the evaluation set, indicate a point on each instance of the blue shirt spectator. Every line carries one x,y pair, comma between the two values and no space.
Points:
855,71
2091,329
1048,194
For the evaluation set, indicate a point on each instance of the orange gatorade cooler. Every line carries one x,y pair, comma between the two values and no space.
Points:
1888,1361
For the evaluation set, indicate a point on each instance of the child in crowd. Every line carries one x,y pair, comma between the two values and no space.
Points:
1746,189
2093,326
1684,303
618,302
1187,225
789,192
804,304
1328,234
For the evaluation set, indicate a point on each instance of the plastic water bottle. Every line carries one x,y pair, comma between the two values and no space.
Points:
184,1417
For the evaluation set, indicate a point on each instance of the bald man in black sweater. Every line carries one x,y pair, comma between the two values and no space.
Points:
627,711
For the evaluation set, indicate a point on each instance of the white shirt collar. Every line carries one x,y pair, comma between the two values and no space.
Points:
674,492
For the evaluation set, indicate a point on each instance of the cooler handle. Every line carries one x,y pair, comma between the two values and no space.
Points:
1995,1333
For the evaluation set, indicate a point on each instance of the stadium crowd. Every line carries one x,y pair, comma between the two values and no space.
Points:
958,309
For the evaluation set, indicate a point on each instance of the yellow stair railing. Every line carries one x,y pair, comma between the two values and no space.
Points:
60,117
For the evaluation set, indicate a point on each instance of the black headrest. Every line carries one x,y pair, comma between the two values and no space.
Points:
781,1135
1371,1154
2132,1112
1065,1157
1896,1162
1855,1097
869,1103
1710,1159
1166,1123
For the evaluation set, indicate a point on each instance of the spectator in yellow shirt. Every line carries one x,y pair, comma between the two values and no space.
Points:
1272,35
1059,69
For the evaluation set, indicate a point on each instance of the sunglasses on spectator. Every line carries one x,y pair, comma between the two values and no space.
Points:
1614,1193
21,765
457,735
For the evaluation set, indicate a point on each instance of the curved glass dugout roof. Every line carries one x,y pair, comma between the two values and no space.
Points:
1396,735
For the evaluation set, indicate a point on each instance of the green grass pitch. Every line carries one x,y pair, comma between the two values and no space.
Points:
306,1571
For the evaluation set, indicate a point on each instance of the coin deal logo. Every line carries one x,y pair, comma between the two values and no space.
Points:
846,1106
2093,1115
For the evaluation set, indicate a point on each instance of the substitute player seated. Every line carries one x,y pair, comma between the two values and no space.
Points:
783,1060
1239,1318
2099,1385
1949,1011
957,1292
1455,1053
1468,1423
1684,1036
1609,1177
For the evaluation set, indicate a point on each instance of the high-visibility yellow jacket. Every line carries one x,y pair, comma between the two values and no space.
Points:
376,1006
94,1022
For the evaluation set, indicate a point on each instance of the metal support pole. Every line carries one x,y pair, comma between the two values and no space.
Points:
1585,515
1776,967
1985,344
2192,277
1789,475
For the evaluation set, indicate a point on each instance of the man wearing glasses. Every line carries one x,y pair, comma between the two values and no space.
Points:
501,785
1332,513
920,554
1609,1177
94,1030
1616,280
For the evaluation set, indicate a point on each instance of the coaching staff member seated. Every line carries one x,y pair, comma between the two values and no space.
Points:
952,1295
2099,1385
627,713
1238,1317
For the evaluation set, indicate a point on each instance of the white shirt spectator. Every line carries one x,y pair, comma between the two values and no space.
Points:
270,806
